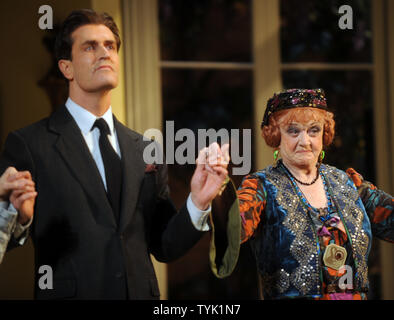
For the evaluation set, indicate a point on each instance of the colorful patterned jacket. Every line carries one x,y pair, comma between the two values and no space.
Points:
268,212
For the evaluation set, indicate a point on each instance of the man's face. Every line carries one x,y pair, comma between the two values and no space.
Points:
95,62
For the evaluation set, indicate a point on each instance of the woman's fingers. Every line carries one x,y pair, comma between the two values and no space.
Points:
212,156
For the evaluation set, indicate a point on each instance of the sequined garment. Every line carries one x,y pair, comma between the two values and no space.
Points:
284,236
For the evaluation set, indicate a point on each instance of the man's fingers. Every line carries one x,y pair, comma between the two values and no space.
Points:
17,198
217,170
226,153
10,171
19,175
19,184
220,170
209,168
16,193
27,189
27,196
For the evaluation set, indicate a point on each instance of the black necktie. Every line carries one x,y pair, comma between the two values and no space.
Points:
112,165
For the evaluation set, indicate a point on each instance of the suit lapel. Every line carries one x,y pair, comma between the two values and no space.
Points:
74,151
133,168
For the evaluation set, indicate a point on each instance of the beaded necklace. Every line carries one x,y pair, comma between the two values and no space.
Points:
299,181
323,214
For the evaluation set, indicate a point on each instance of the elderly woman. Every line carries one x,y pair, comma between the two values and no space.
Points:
309,224
15,218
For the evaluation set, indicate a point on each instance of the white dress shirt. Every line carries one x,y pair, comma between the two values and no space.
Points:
85,121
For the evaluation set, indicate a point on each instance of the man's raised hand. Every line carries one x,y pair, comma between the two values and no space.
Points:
210,174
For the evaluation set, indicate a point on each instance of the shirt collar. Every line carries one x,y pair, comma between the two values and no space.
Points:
86,119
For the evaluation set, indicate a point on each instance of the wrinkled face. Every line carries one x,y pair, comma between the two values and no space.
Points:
95,63
301,143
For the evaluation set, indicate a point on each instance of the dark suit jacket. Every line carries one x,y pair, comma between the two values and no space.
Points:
74,229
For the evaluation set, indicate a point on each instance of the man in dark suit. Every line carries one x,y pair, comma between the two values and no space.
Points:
100,210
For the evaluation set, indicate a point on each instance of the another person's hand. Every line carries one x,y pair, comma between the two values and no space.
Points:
210,174
12,179
23,201
18,188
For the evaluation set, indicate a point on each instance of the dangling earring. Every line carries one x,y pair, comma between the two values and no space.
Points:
276,156
321,156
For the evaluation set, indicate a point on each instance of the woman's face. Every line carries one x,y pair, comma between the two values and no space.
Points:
301,143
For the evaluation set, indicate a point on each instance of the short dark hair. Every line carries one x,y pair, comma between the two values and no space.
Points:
76,19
